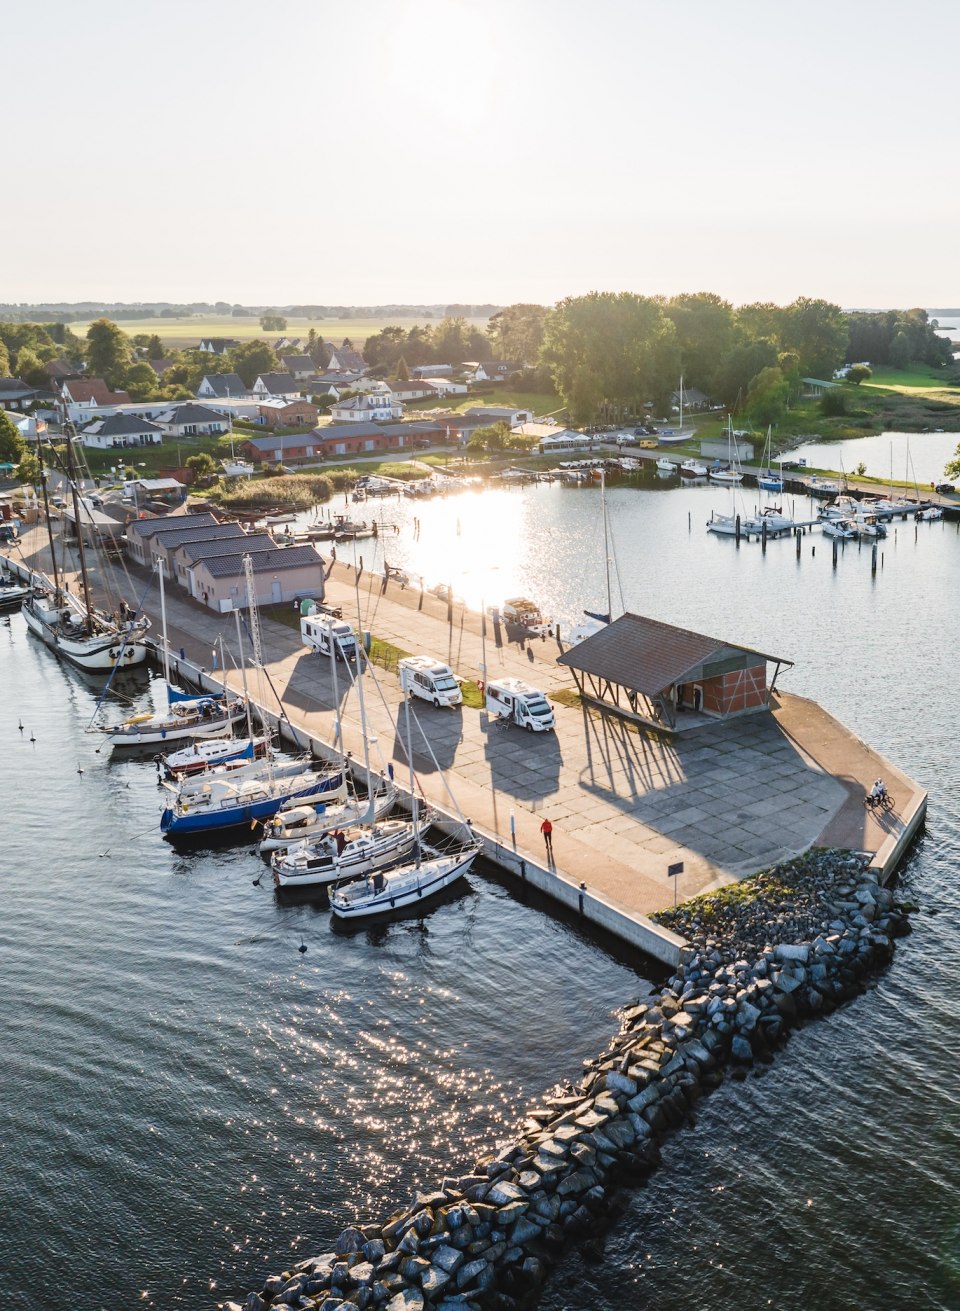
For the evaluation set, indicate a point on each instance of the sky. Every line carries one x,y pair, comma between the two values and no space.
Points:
437,151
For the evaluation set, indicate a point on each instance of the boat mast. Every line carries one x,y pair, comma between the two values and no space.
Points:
163,620
243,676
46,510
606,542
414,815
76,519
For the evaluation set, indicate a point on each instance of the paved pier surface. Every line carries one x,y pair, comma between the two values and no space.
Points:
726,799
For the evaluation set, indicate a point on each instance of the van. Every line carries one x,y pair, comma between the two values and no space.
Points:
521,704
429,679
323,633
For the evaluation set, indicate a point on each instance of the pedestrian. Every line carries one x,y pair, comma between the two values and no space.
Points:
546,828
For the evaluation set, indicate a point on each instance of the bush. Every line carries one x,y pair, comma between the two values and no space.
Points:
833,402
298,491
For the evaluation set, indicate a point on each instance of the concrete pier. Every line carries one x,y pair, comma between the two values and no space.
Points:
725,800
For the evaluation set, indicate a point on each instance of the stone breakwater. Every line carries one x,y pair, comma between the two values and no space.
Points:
794,942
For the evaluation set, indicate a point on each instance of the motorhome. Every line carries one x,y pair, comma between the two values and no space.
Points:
526,706
430,679
323,633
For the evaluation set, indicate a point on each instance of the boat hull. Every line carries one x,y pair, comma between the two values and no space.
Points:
400,890
322,871
98,654
192,823
148,737
332,817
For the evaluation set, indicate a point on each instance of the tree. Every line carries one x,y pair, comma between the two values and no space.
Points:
767,397
610,353
736,368
155,349
4,360
516,332
450,341
273,323
29,470
858,373
704,324
833,402
30,369
251,359
202,466
403,373
109,352
492,438
12,445
818,332
140,382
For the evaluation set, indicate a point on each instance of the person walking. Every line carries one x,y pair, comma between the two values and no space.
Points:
546,828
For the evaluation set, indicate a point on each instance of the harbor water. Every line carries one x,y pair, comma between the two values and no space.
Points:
191,1103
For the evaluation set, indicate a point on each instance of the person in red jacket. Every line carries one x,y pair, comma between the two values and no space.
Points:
546,828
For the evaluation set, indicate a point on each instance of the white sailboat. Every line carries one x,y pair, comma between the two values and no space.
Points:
674,437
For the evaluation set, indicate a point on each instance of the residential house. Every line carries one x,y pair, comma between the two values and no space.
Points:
344,359
368,438
15,394
693,399
431,371
222,386
276,412
300,366
446,386
414,390
185,555
57,370
378,407
275,384
218,345
415,433
500,414
288,344
29,426
280,575
85,397
188,419
142,534
489,370
120,430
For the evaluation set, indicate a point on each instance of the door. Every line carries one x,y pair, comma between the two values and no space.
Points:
276,592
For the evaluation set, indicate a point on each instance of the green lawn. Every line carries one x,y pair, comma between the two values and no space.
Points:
187,332
539,403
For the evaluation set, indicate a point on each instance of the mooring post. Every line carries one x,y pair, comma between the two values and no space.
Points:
763,538
798,533
873,560
737,527
583,888
523,871
835,552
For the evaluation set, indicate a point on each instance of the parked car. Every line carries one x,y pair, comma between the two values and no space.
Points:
944,488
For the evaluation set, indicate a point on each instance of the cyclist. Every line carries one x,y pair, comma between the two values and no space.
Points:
878,793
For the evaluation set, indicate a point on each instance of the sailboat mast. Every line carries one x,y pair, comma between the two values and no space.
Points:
414,815
681,402
76,520
161,571
606,543
46,511
243,677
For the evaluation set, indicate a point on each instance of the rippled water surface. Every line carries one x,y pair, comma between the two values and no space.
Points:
188,1099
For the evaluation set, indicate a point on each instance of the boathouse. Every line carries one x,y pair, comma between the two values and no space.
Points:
670,678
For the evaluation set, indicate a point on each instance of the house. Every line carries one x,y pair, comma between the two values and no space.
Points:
15,394
57,370
85,397
300,366
120,430
166,546
275,384
367,409
283,574
183,556
288,344
431,371
414,390
280,413
29,426
218,345
489,370
692,397
189,419
344,359
287,448
143,534
416,433
222,386
444,386
500,414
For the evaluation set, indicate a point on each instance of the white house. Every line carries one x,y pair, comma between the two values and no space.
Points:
489,370
222,386
374,408
121,430
192,420
218,345
85,397
499,414
275,384
447,387
300,367
344,359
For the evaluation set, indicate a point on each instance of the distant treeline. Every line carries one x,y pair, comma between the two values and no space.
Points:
80,311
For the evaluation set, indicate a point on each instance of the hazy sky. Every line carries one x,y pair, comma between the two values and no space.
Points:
457,150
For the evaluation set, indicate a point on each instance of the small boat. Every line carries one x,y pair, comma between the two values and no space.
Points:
724,524
767,479
525,614
237,468
182,721
287,516
410,884
724,473
666,466
818,486
300,826
841,528
238,770
693,469
344,855
772,520
207,754
930,514
12,593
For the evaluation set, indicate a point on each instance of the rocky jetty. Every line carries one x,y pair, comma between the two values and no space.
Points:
765,954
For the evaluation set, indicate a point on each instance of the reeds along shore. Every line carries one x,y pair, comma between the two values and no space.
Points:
766,954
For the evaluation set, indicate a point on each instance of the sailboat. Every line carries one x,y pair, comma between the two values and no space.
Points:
767,480
728,473
74,628
411,882
673,437
187,716
223,802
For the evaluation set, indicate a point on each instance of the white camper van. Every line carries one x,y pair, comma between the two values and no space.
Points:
511,698
429,679
323,632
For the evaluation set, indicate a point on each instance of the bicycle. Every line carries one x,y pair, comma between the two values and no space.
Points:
884,802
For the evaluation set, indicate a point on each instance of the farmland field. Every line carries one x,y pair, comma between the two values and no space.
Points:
179,333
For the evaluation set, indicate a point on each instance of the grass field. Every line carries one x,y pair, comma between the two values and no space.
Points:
178,333
539,403
918,377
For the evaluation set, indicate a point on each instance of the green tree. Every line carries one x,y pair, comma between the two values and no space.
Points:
516,332
140,382
767,397
31,370
833,402
155,350
202,466
12,446
492,438
952,467
737,367
4,360
704,324
250,359
818,332
273,323
609,353
858,373
402,372
109,352
29,470
450,341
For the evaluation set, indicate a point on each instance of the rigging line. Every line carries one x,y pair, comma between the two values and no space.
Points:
123,646
283,714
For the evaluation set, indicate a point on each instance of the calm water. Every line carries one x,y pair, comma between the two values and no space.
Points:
910,459
189,1099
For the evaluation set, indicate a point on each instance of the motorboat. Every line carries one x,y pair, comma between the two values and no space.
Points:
841,528
525,614
929,514
768,481
344,855
12,593
693,469
208,753
666,466
299,825
409,884
771,521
